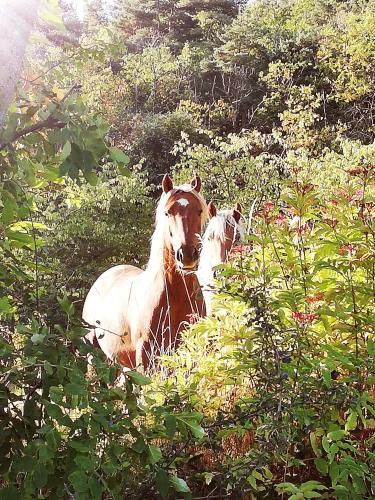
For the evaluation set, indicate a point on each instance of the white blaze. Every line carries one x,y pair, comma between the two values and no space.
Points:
183,202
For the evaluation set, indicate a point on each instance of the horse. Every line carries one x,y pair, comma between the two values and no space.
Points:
134,314
223,231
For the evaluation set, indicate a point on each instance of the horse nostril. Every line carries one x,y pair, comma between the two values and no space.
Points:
180,255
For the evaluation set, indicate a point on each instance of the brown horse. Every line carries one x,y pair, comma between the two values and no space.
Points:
223,231
135,314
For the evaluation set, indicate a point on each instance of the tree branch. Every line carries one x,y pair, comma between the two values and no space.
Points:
50,123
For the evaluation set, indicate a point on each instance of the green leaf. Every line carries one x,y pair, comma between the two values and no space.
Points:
162,483
170,425
91,177
179,484
371,347
154,454
38,338
5,306
53,411
79,481
252,481
139,446
314,444
334,472
322,465
325,444
66,305
267,473
340,489
95,487
137,378
48,368
53,439
192,425
79,446
257,475
66,150
75,389
9,209
40,475
119,156
124,171
85,463
312,485
351,422
336,435
289,487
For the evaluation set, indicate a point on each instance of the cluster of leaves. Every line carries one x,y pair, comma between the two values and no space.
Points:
49,135
273,395
66,435
65,193
228,170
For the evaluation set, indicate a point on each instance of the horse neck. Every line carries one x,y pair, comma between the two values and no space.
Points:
205,259
205,272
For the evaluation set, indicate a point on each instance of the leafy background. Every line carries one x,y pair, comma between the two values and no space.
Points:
273,397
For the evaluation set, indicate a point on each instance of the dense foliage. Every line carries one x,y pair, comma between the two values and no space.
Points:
284,373
269,102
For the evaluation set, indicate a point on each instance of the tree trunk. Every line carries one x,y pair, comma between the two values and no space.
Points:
16,22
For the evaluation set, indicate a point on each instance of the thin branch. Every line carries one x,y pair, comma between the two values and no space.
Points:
57,64
50,122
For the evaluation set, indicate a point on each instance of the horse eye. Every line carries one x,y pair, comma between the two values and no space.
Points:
166,214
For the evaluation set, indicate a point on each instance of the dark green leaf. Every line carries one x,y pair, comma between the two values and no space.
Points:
179,484
137,378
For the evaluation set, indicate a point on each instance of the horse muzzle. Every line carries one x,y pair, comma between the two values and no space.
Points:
187,258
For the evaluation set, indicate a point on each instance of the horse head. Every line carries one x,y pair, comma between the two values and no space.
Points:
222,232
184,216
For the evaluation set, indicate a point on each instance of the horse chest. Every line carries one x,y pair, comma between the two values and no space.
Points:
178,302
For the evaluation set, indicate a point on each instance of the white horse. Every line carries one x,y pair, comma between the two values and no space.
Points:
223,231
136,315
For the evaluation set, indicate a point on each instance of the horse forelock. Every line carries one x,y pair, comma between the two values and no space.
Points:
216,228
184,188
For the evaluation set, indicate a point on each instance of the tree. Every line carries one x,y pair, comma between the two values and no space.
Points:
175,23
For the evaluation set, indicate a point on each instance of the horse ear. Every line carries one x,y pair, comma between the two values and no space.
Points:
211,209
167,184
196,183
237,212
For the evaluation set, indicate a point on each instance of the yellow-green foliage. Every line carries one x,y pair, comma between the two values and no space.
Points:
347,55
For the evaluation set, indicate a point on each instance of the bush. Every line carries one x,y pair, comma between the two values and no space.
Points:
231,169
100,228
